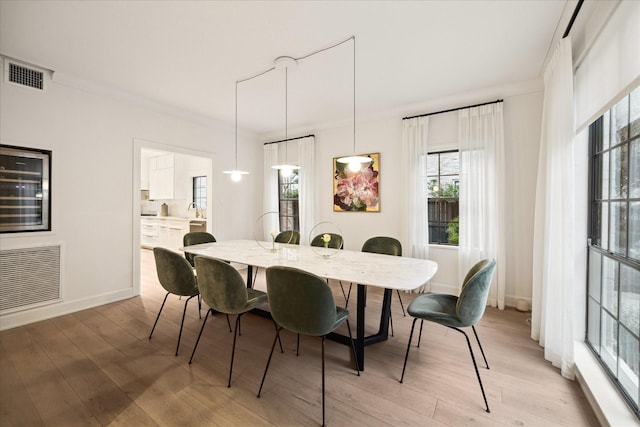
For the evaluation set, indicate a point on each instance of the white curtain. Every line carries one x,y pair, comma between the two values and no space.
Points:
414,158
553,299
482,165
307,177
270,194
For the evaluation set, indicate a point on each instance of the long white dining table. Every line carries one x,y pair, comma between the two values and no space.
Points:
363,268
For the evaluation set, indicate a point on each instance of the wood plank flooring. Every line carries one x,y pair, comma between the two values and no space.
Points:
98,367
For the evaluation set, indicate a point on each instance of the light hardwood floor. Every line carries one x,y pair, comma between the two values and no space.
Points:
98,367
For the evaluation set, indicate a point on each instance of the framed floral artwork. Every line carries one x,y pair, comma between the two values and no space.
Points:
357,191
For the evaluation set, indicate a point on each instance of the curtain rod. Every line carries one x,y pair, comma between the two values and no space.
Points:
290,139
452,109
573,18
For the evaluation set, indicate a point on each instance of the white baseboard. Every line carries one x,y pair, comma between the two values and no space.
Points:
61,308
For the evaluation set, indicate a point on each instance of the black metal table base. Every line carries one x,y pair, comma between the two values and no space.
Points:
360,340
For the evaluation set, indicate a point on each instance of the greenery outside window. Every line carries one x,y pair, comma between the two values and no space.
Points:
200,192
613,279
443,181
288,202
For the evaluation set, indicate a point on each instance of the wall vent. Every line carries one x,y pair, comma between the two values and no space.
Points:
25,76
30,277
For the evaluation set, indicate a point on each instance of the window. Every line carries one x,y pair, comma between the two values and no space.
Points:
613,287
200,192
443,175
288,202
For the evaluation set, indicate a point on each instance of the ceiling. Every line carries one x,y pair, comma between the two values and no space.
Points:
188,55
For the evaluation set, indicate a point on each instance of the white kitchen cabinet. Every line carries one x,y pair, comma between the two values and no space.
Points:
164,232
167,177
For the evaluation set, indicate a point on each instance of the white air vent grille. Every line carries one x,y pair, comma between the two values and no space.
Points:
26,76
29,276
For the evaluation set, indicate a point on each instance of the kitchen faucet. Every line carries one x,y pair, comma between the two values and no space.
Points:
195,206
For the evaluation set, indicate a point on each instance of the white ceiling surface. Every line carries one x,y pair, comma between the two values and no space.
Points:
188,55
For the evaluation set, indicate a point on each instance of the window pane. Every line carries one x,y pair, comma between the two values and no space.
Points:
634,119
630,298
634,172
628,368
449,163
620,120
634,230
605,176
618,238
595,270
606,130
604,226
432,164
610,285
449,186
593,331
619,172
609,348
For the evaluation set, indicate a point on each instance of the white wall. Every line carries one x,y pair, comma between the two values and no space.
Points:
91,137
522,118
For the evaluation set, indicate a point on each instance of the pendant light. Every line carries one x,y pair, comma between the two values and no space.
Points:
354,162
286,62
236,174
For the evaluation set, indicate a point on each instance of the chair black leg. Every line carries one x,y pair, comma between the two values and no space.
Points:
413,325
158,316
199,307
391,319
200,334
184,312
480,345
353,348
420,335
346,295
229,323
475,365
323,424
233,348
276,338
401,304
298,345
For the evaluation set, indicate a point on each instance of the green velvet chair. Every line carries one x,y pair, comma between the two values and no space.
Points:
176,277
303,303
291,237
387,246
457,312
223,290
196,238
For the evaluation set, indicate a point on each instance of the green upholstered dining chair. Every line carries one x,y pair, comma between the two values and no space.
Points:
176,277
196,238
387,246
457,312
303,303
223,290
291,237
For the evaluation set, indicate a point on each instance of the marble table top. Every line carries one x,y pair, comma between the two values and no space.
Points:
365,268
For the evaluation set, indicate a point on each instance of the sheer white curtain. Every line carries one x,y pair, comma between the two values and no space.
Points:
270,192
307,177
481,235
553,246
414,158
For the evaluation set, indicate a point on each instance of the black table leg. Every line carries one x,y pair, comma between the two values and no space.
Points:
249,276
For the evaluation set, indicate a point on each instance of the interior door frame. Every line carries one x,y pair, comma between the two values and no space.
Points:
138,145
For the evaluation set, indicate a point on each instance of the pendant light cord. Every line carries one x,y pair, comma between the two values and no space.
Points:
236,126
354,94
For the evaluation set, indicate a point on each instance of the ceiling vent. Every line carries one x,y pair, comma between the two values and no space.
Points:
23,75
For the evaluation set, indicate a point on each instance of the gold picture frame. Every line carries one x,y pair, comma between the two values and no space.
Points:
357,191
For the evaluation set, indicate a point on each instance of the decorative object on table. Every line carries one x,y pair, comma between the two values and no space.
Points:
357,191
456,312
265,230
303,303
326,239
25,190
273,240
